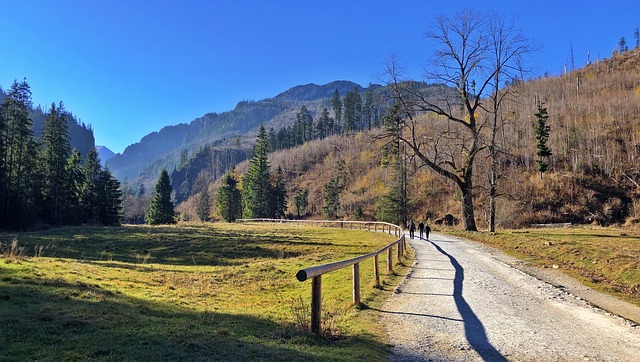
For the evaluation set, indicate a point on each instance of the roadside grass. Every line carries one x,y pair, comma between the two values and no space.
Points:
607,259
187,292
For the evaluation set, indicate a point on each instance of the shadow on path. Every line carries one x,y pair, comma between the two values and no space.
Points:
473,328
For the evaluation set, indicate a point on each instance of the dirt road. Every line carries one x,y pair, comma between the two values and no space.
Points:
463,301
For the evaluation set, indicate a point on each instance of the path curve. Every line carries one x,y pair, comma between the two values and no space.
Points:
462,302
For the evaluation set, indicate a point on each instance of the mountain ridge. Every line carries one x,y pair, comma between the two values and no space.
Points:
165,147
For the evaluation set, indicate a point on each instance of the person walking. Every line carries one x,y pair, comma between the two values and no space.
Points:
427,230
412,229
421,228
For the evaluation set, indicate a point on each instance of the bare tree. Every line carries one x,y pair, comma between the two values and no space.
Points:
507,47
473,54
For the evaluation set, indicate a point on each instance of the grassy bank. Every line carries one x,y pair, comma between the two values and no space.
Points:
189,292
606,259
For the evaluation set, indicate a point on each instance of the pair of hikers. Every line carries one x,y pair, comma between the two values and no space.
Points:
424,230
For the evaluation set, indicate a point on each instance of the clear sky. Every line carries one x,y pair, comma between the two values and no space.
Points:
129,68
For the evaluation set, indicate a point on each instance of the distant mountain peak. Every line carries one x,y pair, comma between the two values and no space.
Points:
104,154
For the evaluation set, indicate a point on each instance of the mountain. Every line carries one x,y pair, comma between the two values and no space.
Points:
104,154
167,147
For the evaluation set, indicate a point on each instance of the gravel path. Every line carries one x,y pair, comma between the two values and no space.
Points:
463,301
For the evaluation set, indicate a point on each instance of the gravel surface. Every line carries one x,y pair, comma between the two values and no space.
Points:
463,301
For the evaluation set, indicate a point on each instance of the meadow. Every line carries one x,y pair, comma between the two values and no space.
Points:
187,292
607,259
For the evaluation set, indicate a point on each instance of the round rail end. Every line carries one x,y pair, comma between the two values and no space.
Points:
301,275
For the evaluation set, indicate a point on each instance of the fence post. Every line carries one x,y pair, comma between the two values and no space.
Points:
316,304
399,252
390,260
376,270
356,284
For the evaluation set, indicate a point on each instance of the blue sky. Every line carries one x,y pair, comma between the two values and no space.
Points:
129,68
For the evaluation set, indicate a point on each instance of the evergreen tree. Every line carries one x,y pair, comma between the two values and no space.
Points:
279,195
74,180
203,207
352,109
228,201
622,45
18,149
542,136
331,192
393,207
55,152
302,201
324,124
90,188
109,201
336,102
256,186
161,209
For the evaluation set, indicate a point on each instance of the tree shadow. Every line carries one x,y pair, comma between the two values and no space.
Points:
53,319
473,328
169,245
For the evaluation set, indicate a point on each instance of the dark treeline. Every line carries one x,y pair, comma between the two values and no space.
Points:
351,114
43,181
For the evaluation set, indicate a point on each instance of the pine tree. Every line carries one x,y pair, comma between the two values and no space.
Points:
109,206
393,207
72,210
336,102
228,201
18,149
279,195
203,207
331,192
55,152
90,188
302,201
352,109
542,136
161,209
256,186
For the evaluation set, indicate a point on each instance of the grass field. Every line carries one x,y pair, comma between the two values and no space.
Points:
188,292
607,259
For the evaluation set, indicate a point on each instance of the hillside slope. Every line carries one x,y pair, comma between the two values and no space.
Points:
594,175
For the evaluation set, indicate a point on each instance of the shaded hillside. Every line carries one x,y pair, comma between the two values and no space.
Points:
163,148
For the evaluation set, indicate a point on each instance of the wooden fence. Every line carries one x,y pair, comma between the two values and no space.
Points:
315,272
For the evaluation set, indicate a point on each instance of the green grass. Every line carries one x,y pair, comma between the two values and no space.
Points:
607,259
188,292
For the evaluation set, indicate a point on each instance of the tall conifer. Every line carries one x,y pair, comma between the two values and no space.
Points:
256,186
161,209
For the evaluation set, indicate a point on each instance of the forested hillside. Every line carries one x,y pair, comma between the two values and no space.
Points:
80,134
592,177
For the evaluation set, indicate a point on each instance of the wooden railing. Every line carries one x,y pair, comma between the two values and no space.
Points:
315,272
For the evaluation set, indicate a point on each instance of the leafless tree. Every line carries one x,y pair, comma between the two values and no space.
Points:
474,54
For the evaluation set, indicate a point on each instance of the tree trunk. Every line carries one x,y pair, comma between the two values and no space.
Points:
492,199
468,215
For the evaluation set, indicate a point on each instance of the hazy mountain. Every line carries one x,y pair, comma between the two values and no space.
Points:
104,153
166,148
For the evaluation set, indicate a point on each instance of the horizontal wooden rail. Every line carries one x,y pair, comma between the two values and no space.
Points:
315,272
